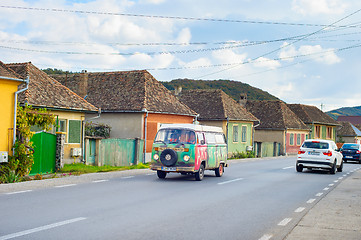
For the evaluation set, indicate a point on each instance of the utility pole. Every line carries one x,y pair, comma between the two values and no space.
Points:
322,105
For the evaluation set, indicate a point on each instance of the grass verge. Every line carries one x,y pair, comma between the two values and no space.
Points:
79,168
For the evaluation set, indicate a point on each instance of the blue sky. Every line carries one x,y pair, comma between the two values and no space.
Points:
288,48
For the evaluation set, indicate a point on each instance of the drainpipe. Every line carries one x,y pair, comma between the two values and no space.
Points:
145,133
227,133
83,132
254,129
285,142
16,108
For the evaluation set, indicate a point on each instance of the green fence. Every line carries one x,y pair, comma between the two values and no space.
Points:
44,153
120,152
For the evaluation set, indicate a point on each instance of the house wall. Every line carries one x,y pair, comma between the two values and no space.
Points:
155,119
124,125
268,138
352,139
7,99
77,116
292,147
323,131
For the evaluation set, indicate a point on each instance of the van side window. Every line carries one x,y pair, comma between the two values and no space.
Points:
220,138
200,138
210,137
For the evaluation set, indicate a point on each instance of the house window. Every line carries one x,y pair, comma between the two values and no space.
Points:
235,133
329,132
244,133
61,125
292,139
317,131
74,131
298,139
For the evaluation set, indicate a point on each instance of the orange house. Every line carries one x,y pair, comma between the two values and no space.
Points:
133,103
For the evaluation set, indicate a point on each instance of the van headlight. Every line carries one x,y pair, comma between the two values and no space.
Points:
156,157
186,158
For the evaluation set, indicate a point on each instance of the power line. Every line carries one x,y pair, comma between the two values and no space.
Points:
163,17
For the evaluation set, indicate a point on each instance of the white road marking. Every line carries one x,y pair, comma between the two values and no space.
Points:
311,200
230,181
284,222
326,188
340,178
300,209
344,175
331,184
10,193
99,181
266,237
288,167
335,181
127,177
38,229
319,194
149,174
68,185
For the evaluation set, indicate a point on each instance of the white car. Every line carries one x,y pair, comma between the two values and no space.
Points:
319,154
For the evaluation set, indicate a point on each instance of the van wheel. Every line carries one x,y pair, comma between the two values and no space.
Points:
200,174
161,174
299,168
219,171
333,169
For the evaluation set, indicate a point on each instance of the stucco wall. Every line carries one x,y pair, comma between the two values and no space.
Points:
7,99
269,137
293,148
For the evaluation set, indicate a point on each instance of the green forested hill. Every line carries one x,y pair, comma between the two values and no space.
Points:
345,111
232,88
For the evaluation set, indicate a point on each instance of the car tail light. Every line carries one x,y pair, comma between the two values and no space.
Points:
328,153
316,141
301,152
358,151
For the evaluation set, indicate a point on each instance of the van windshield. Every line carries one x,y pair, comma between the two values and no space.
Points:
170,136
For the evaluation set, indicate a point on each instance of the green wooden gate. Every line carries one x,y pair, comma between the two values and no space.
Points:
44,156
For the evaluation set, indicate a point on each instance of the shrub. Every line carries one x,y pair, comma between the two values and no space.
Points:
238,155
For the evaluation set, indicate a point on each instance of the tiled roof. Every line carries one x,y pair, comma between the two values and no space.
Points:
7,72
311,114
275,115
352,119
214,104
125,92
347,129
45,91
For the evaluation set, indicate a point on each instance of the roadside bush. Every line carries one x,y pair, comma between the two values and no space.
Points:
8,175
238,155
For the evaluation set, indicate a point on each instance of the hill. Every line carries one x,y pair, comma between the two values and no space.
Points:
345,111
232,88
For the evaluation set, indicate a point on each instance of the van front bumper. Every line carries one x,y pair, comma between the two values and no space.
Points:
172,169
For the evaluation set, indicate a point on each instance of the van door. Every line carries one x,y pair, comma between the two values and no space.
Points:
212,150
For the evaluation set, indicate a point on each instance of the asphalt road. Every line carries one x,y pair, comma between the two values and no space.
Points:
255,199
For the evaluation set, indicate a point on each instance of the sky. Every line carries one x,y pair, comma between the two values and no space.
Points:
301,51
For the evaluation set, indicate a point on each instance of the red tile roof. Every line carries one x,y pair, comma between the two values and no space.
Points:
311,114
7,72
46,92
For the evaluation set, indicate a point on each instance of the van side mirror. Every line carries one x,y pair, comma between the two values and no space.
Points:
202,142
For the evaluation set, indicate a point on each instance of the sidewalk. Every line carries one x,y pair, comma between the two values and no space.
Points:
337,216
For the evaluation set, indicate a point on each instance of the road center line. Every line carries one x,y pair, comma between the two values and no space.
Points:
127,177
284,222
10,193
68,185
38,229
99,181
288,167
234,180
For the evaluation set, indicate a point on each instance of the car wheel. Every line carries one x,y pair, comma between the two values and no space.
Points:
219,170
333,169
161,174
339,169
200,174
299,168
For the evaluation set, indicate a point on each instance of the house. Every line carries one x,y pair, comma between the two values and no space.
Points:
9,82
322,126
280,132
133,103
69,109
348,133
216,108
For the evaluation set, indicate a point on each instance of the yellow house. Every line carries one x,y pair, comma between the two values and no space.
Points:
9,82
69,108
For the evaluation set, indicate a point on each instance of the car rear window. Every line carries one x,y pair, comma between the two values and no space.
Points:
350,146
316,145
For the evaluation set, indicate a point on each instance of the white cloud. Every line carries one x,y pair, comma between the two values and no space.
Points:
318,54
153,1
184,36
314,7
266,63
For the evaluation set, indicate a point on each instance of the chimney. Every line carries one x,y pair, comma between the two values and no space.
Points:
177,90
83,84
242,99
